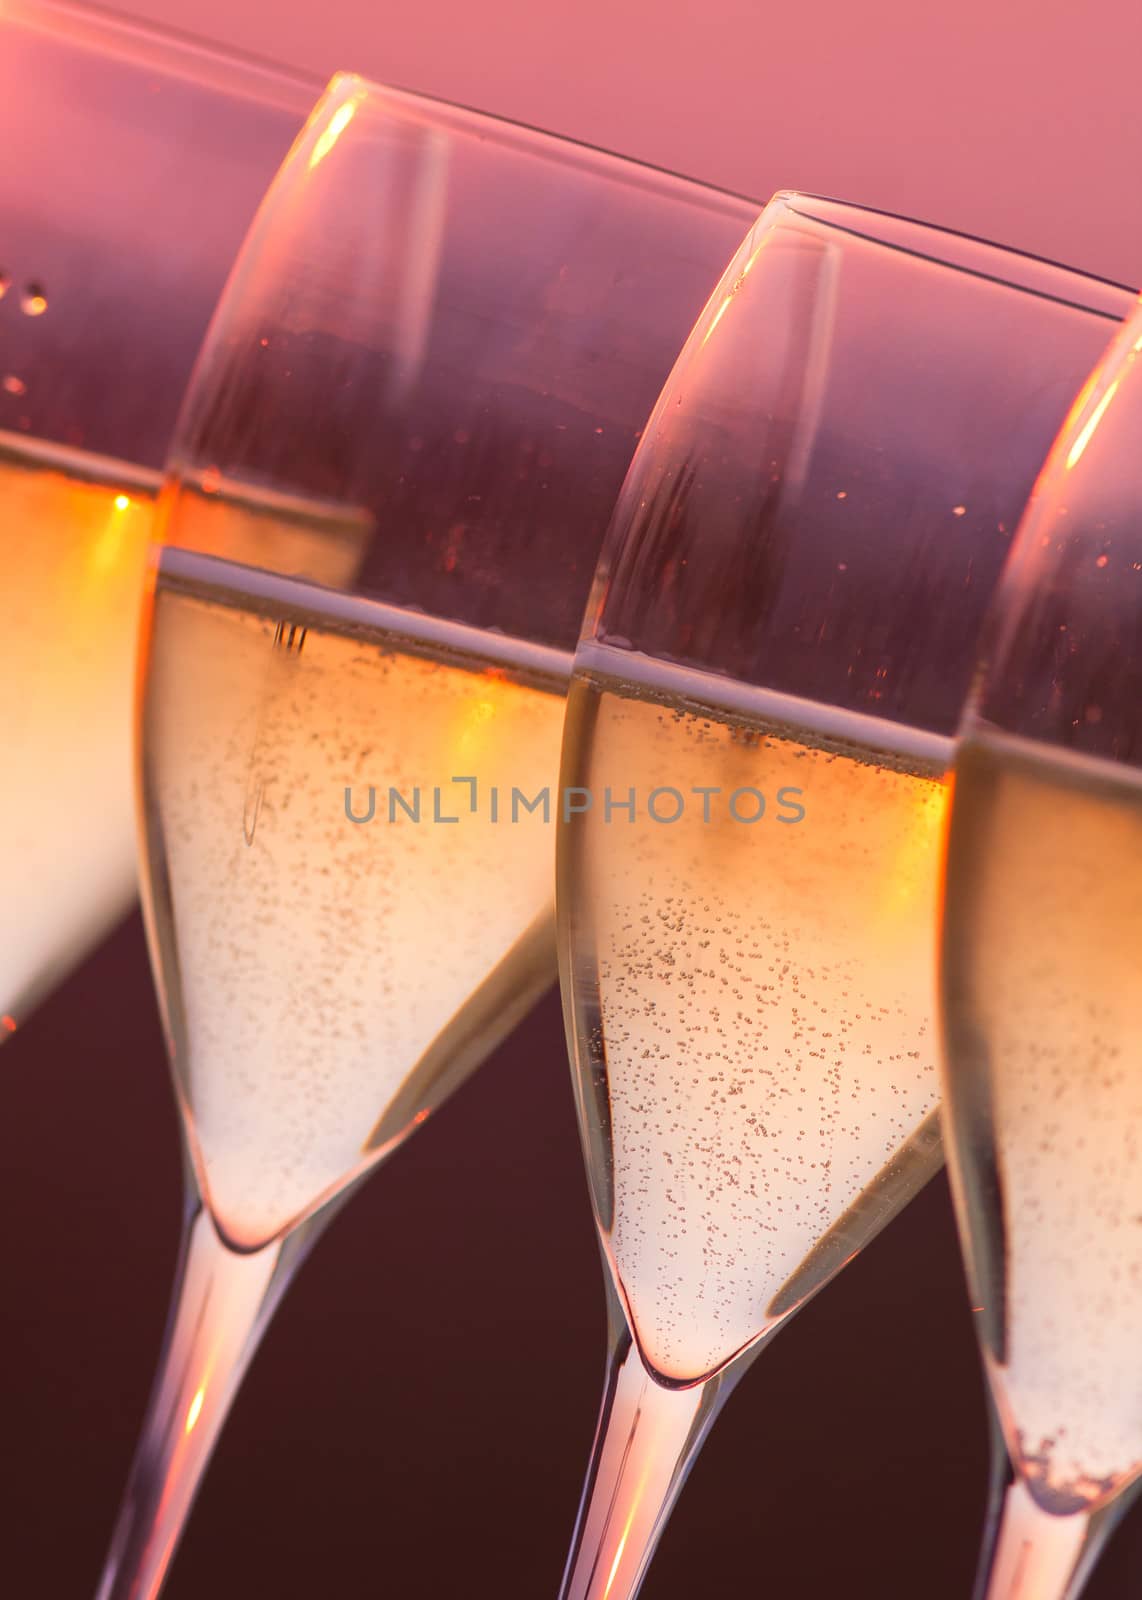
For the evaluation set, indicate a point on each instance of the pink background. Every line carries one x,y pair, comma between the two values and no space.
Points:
1017,119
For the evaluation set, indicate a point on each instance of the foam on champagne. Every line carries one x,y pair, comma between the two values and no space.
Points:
753,1000
1042,995
326,981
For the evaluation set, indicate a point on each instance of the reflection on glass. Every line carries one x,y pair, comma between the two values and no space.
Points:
774,658
395,464
118,223
1041,986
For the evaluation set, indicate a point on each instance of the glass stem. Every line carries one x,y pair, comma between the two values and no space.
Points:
1037,1556
222,1305
647,1439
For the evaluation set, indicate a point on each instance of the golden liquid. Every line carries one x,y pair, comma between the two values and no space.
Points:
753,1002
73,535
1042,997
327,981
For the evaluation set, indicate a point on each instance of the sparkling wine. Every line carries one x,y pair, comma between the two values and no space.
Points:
73,532
753,999
1042,991
334,953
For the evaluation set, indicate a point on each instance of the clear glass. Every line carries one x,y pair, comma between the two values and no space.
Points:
394,468
774,658
135,162
1041,985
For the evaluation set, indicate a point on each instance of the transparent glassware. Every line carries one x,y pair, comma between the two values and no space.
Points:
1041,984
134,164
773,661
393,471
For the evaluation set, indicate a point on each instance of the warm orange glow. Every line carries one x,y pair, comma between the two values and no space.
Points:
718,315
916,851
1075,454
34,303
1079,403
339,122
195,1411
8,1023
725,305
122,501
472,734
618,1558
945,832
108,550
636,1504
11,384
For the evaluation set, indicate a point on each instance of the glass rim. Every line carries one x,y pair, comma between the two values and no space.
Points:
513,131
959,246
223,66
97,26
144,43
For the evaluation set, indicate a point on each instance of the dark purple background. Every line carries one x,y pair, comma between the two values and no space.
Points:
420,1414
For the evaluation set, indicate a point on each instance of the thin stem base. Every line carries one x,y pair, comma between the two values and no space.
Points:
647,1439
223,1303
1037,1556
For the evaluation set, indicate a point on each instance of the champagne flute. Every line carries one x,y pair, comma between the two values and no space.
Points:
773,661
1040,989
118,227
393,471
